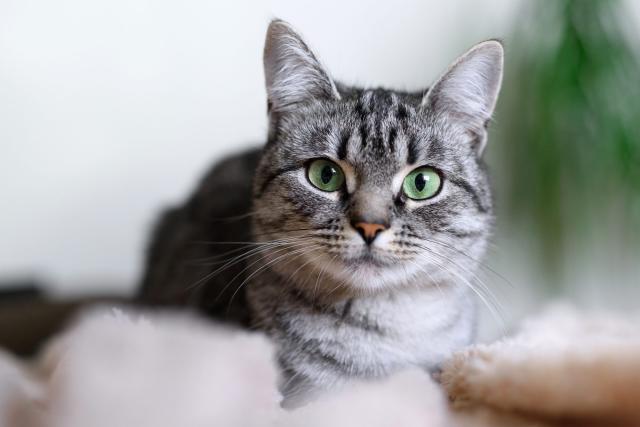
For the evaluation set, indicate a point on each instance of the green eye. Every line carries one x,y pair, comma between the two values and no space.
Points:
325,175
422,183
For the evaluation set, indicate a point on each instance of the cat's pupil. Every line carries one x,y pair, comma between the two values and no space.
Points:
420,182
327,174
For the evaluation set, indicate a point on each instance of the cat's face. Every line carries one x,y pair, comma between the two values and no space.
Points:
363,190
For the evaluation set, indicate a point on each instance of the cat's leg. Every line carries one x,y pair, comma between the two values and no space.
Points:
297,389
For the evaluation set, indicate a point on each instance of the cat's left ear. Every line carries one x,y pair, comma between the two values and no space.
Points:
293,75
466,94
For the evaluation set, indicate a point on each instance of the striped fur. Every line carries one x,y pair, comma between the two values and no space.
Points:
338,308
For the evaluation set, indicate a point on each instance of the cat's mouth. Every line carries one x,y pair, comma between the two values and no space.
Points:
371,270
367,259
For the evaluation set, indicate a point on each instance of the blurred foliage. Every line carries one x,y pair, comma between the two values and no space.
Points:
568,126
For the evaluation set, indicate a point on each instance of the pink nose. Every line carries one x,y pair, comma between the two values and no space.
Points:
369,231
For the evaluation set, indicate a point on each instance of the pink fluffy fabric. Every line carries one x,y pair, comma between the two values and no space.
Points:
126,368
117,368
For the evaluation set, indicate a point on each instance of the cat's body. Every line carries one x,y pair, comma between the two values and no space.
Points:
321,346
333,342
188,245
363,218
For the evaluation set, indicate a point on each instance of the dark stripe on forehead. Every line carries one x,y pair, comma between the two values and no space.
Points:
378,147
376,112
412,150
401,112
343,148
391,139
378,129
364,134
362,110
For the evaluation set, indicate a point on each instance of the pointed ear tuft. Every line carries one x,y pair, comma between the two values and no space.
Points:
467,92
293,74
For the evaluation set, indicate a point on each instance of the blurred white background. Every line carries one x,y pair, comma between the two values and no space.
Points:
110,110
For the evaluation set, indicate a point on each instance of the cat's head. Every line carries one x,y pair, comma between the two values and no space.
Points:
362,190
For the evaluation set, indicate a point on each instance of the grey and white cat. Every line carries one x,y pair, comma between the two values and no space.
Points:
351,237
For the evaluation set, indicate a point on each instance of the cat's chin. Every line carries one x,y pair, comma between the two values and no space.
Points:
368,260
368,274
356,274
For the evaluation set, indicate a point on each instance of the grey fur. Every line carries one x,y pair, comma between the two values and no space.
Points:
339,308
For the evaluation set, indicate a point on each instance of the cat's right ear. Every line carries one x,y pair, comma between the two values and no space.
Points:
467,92
293,75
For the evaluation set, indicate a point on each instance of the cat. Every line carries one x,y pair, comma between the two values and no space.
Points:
352,236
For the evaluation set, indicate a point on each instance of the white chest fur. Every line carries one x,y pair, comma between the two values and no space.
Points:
370,337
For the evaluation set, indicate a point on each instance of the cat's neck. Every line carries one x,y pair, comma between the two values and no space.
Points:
273,294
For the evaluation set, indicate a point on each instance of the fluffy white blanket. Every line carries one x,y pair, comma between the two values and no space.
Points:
123,368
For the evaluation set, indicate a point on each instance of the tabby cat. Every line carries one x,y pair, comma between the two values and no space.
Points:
352,236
